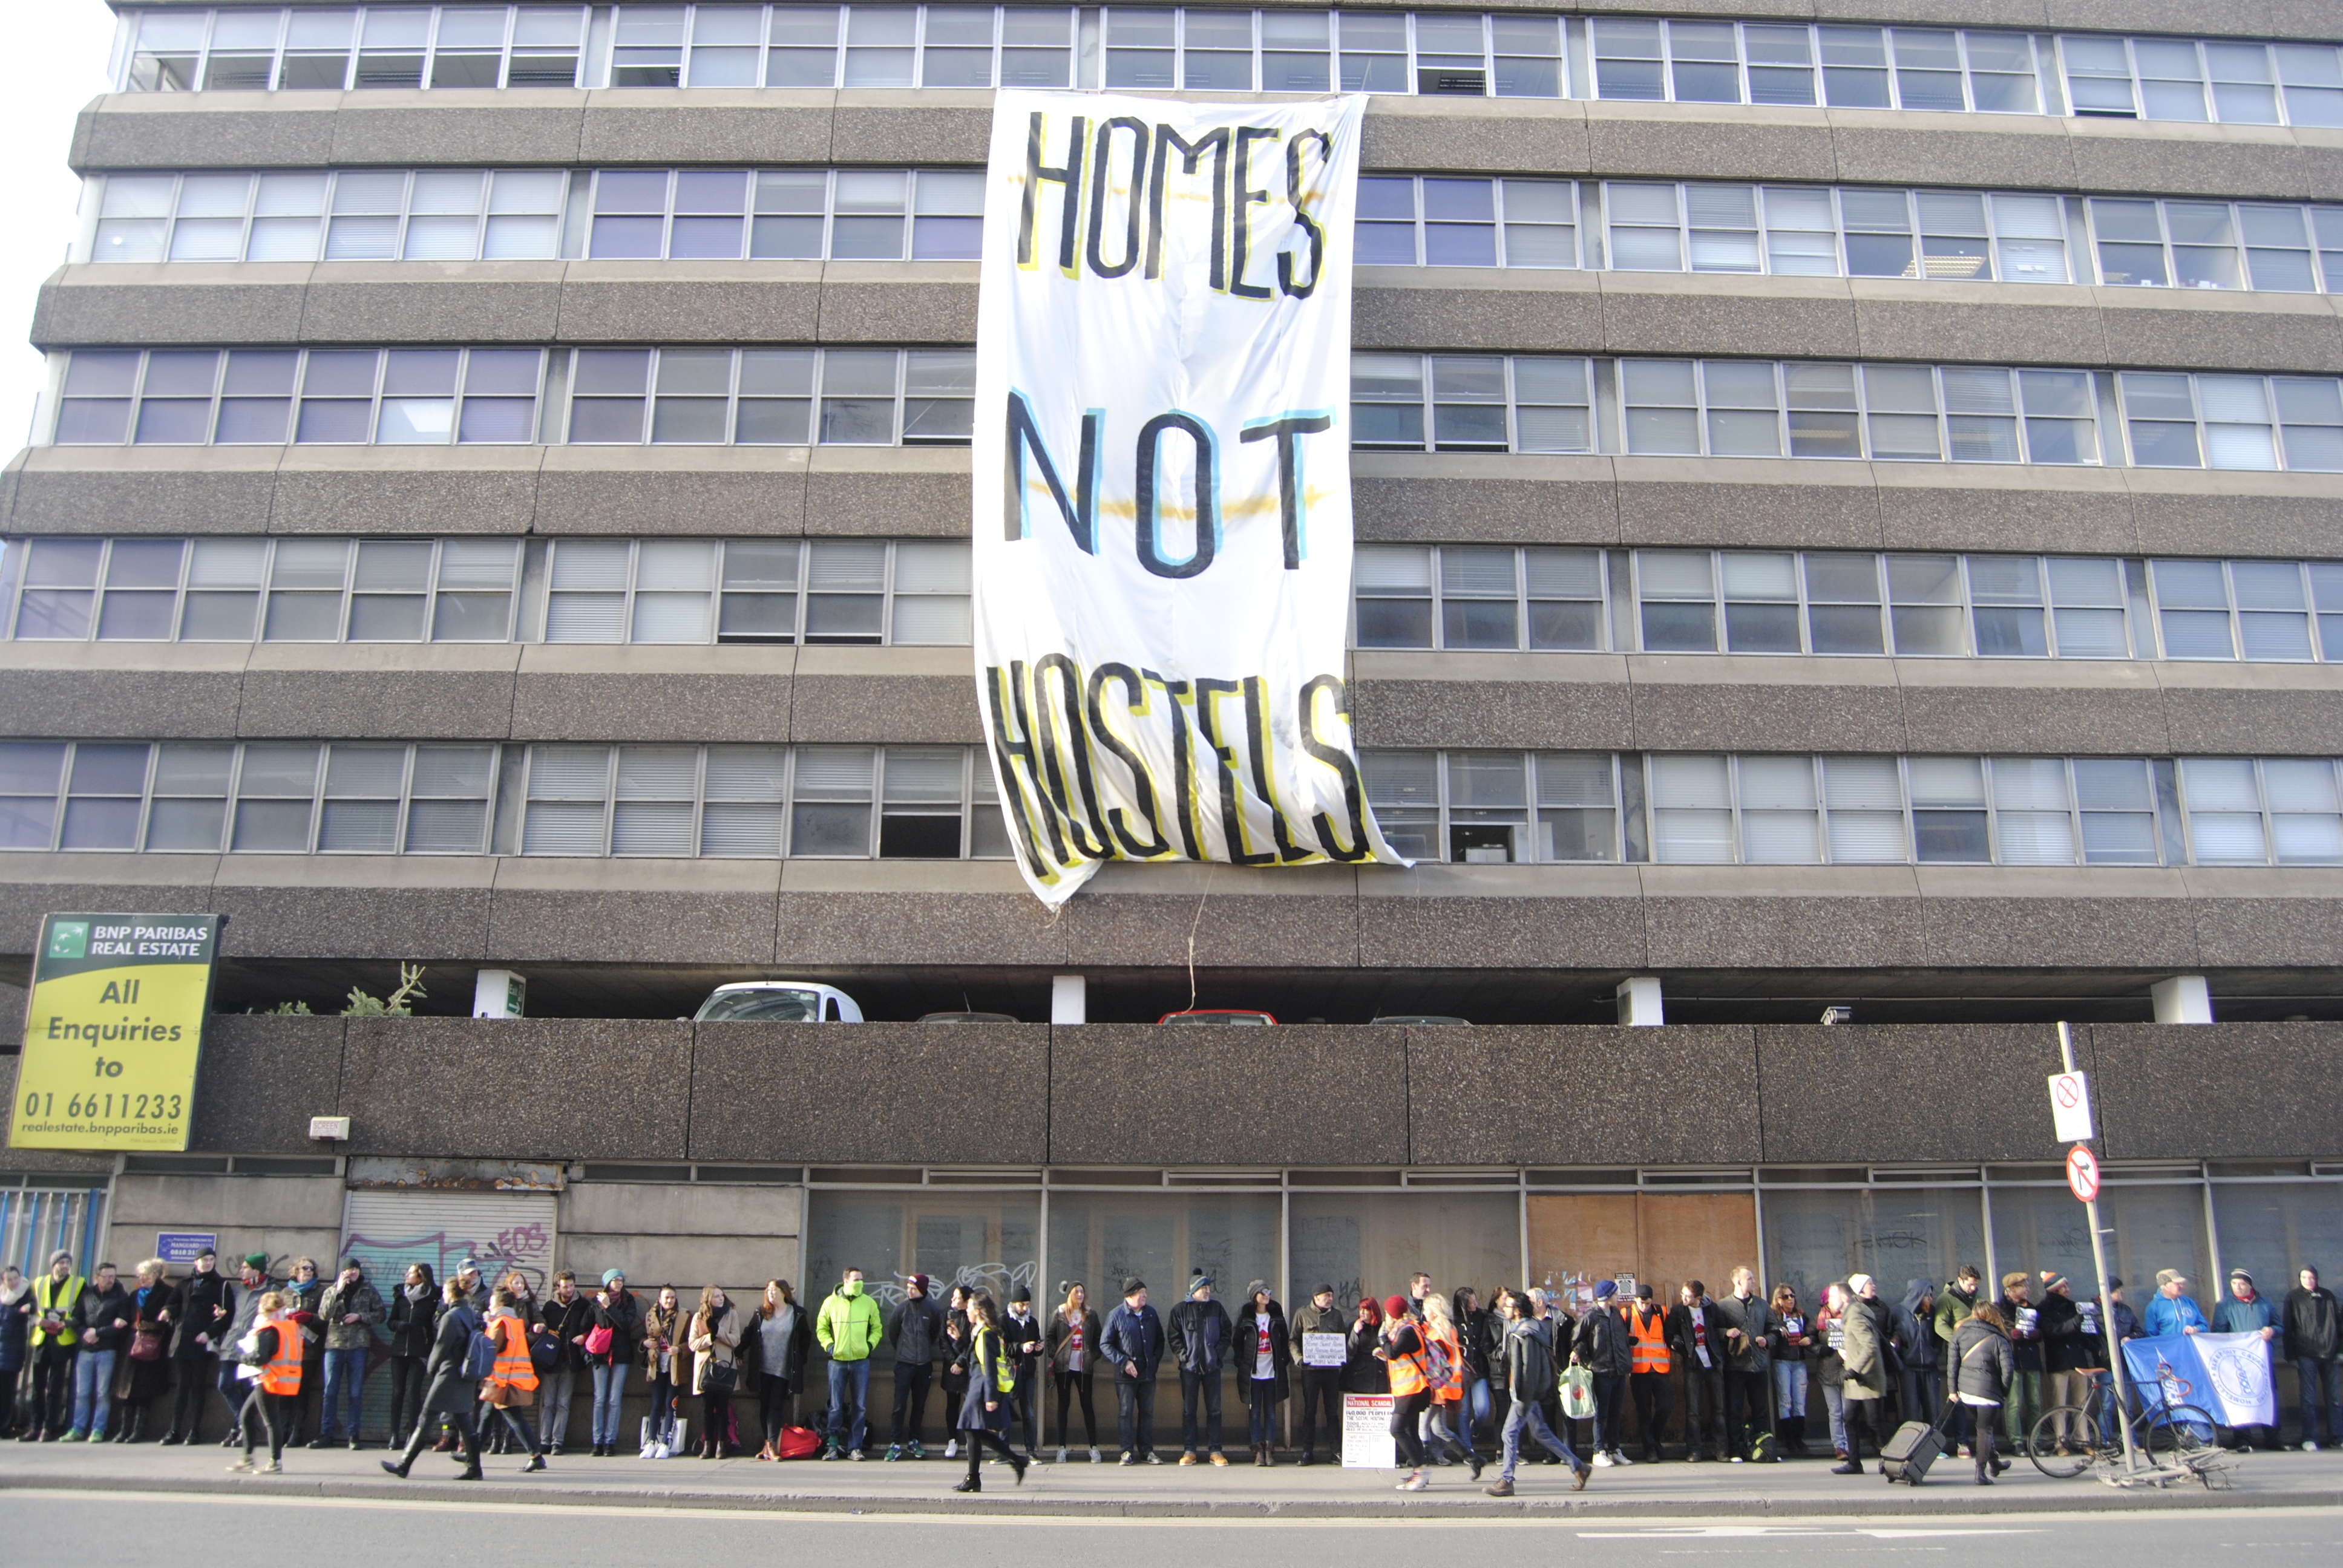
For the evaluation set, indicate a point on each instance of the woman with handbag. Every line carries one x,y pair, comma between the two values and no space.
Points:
956,1376
984,1412
147,1354
784,1335
1984,1368
511,1387
414,1325
611,1346
716,1370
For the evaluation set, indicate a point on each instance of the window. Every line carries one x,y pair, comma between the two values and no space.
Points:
398,396
2231,421
1494,808
765,397
2275,811
866,591
1489,597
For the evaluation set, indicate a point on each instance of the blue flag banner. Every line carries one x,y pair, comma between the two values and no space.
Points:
2226,1376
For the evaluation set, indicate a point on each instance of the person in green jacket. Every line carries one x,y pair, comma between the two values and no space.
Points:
848,1328
1955,1302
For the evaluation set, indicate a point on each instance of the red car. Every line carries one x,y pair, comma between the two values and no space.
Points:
1244,1017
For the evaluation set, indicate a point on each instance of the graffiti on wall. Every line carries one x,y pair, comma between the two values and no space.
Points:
526,1248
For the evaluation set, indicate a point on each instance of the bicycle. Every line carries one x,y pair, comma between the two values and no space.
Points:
2069,1439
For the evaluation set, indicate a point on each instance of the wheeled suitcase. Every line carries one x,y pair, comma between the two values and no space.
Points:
1908,1455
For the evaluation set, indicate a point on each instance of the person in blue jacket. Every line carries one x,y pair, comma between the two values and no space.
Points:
1132,1343
2171,1311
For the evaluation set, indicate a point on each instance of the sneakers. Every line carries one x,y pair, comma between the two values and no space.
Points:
918,1449
858,1456
2309,1447
1219,1460
951,1447
1416,1482
1603,1459
894,1452
243,1465
1498,1489
1619,1458
1154,1457
829,1450
1126,1459
1187,1459
272,1468
1061,1455
1738,1460
1094,1457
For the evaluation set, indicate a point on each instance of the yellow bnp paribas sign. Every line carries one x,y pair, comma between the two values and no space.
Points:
112,1030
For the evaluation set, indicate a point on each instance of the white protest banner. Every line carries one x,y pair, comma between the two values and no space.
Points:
1325,1350
1161,479
1366,1432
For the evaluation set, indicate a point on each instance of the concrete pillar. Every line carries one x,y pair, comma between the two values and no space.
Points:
1639,1000
1068,999
2183,998
500,993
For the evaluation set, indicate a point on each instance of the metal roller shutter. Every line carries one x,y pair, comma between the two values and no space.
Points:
388,1230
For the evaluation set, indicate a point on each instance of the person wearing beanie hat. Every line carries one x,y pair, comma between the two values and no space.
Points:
1322,1385
1132,1343
2021,1320
618,1330
1863,1357
1650,1378
1602,1347
1199,1334
1020,1338
917,1337
2248,1312
1407,1352
1264,1354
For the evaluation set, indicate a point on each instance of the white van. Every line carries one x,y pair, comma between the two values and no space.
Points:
778,1001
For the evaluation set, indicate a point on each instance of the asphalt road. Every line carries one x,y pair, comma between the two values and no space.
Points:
131,1529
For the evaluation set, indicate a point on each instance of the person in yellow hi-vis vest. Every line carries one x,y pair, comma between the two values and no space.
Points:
511,1388
50,1342
983,1416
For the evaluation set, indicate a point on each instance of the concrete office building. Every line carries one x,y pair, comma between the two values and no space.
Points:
1848,498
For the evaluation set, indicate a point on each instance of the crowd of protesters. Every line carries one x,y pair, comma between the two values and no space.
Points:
478,1366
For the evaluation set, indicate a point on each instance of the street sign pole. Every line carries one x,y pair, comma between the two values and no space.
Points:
2106,1297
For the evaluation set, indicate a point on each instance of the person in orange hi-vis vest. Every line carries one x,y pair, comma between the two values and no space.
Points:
272,1360
511,1388
1647,1379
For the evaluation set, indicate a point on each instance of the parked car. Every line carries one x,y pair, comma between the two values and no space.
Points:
966,1017
1421,1018
778,1001
1224,1015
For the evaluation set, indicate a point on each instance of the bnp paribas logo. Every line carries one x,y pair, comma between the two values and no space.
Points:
69,940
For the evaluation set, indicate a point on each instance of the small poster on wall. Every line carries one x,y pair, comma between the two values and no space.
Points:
1366,1432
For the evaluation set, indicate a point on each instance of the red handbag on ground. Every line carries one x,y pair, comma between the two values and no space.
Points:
798,1442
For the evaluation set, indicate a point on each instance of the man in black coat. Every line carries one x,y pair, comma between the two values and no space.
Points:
201,1311
1696,1343
2312,1329
1199,1335
451,1394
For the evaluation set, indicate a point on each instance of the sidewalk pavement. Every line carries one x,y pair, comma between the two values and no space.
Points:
1796,1489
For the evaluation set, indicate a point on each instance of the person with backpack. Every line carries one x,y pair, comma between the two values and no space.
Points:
1073,1352
847,1330
450,1392
1264,1351
984,1410
1524,1367
1919,1372
1132,1343
1200,1334
1601,1347
1984,1370
271,1355
715,1344
1416,1367
1443,1424
510,1386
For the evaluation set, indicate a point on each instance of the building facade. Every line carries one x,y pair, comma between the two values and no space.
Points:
1847,499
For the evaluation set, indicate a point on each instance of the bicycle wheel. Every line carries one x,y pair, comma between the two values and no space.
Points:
2179,1431
2062,1442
